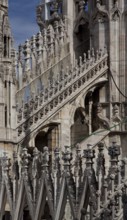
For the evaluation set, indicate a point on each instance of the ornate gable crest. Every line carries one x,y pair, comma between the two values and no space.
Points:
82,17
115,13
40,20
100,14
81,20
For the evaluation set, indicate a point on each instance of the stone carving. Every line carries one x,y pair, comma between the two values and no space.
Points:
101,120
116,117
64,87
100,14
40,20
55,16
82,17
41,52
85,198
115,12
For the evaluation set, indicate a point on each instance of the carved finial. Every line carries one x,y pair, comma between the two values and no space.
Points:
89,154
67,157
101,159
55,16
45,157
92,52
39,43
99,108
45,37
40,21
78,156
81,4
84,57
33,43
57,160
105,49
6,164
116,109
15,165
92,56
26,48
57,155
20,53
78,162
98,3
24,161
114,152
89,56
35,163
80,61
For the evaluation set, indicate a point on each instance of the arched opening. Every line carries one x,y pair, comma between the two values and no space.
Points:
91,102
81,29
79,130
26,215
7,216
5,46
26,212
82,39
41,140
48,136
96,100
46,215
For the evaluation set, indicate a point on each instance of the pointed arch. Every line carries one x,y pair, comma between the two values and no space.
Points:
65,192
22,198
44,193
80,129
4,199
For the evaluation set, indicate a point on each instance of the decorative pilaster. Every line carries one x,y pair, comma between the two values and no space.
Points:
57,175
15,170
35,173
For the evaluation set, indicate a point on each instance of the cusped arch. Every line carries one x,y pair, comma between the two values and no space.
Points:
82,19
48,135
80,127
79,102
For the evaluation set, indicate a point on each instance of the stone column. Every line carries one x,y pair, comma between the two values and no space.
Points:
90,113
68,9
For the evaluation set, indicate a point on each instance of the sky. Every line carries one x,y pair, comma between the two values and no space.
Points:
22,14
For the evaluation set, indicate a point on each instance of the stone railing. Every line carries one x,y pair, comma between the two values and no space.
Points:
68,84
41,52
89,188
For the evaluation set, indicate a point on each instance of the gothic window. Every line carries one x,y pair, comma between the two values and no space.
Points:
5,116
79,130
26,215
48,136
46,214
50,10
5,46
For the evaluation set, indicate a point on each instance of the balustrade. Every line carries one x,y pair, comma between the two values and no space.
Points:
90,191
63,88
41,52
